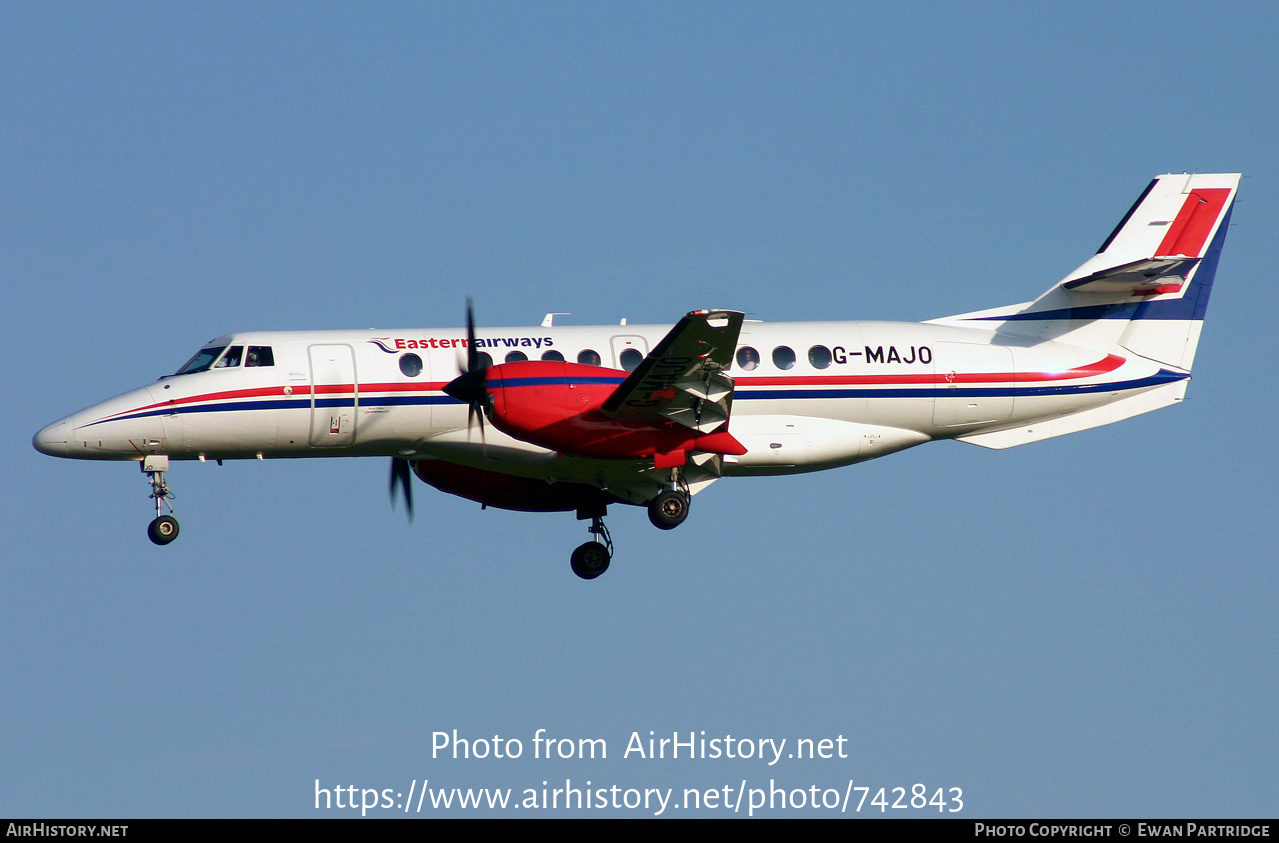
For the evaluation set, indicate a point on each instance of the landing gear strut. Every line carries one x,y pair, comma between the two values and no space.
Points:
669,509
591,559
164,528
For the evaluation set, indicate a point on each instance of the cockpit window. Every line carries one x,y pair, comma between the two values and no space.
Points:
231,358
260,355
202,360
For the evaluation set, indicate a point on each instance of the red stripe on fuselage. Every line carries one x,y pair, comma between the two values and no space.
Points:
1107,364
278,391
1103,366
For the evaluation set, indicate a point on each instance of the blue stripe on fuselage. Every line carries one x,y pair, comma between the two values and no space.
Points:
1164,376
942,391
507,383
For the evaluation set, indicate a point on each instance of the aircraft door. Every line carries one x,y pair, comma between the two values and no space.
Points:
335,395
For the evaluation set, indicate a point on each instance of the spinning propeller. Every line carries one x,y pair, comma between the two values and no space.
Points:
469,387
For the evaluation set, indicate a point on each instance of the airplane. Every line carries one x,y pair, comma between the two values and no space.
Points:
577,418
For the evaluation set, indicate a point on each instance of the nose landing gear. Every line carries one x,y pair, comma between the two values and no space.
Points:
164,528
591,559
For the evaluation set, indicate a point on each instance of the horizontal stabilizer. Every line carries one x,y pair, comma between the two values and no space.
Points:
1154,275
1164,234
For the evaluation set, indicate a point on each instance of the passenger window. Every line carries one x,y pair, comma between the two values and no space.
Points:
483,360
783,357
410,365
231,358
516,356
589,357
553,355
260,355
819,356
630,359
747,358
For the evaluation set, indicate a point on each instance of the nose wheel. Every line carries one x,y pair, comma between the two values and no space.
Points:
164,528
591,559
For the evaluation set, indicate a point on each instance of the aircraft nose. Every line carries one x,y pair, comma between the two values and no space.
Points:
53,439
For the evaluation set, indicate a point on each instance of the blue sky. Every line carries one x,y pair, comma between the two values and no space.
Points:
1080,627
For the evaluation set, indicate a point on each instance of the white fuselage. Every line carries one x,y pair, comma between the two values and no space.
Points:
812,395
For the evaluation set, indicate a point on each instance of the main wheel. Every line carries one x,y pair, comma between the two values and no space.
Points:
590,560
163,529
668,510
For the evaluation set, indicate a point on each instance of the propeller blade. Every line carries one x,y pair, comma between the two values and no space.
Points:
470,387
472,356
402,478
479,414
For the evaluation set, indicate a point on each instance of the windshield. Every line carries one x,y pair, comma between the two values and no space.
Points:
202,360
231,358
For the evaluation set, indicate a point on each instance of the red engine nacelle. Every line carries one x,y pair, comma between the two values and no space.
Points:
557,405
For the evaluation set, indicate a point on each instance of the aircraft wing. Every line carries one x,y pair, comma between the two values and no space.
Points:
682,379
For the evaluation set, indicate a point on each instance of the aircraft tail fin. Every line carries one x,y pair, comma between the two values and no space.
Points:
1146,290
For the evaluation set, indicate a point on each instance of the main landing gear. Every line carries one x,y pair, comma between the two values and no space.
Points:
669,509
164,528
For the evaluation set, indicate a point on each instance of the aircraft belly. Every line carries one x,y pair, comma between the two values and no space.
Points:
794,444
